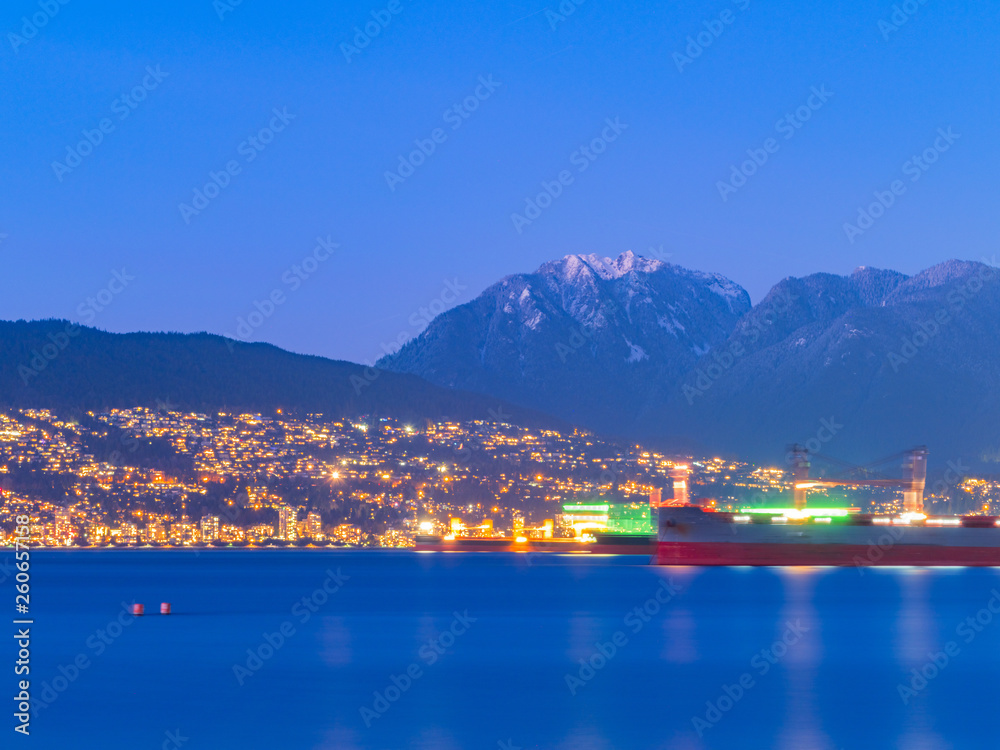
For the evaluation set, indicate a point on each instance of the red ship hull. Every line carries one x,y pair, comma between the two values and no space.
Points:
736,553
689,536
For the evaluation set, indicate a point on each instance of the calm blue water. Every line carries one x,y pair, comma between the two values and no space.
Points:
852,638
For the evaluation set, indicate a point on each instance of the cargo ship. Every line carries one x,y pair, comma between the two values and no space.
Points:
691,535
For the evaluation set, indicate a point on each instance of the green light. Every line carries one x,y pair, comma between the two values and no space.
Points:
839,512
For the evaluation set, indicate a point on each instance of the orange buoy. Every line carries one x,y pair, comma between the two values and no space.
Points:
138,609
165,608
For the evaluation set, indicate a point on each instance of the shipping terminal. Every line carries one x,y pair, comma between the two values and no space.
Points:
698,534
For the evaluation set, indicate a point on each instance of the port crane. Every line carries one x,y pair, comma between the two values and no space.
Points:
912,483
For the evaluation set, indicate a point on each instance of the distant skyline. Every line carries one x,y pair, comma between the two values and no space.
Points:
185,166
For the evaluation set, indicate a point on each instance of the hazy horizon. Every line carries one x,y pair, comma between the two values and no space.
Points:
258,335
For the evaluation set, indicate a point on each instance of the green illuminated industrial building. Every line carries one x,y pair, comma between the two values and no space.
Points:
609,517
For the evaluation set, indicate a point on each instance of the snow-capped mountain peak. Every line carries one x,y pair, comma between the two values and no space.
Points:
621,325
572,266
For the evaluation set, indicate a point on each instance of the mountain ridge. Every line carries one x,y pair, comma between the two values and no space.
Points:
629,347
581,323
58,364
817,347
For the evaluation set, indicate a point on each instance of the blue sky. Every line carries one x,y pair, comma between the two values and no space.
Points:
534,85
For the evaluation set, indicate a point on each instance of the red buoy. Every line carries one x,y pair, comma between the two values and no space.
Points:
138,609
165,608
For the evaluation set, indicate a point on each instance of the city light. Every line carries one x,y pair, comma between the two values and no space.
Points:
287,480
803,513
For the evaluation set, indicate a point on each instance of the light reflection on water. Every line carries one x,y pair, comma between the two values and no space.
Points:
802,726
505,678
